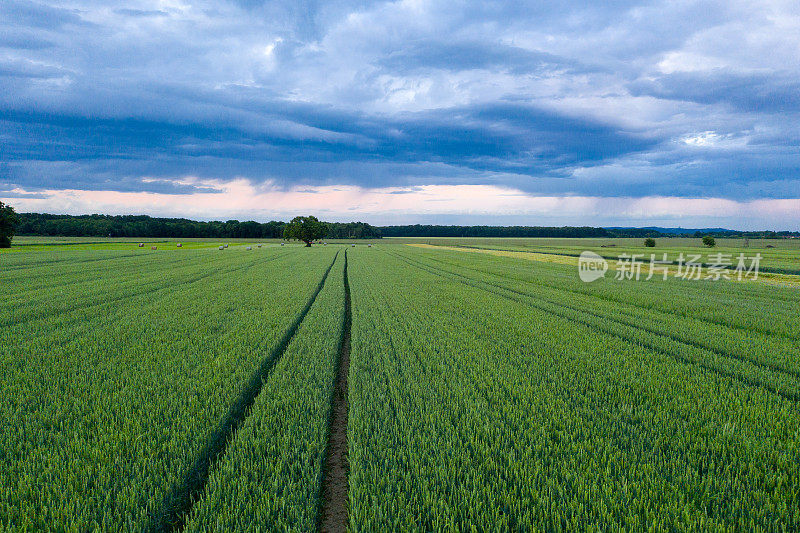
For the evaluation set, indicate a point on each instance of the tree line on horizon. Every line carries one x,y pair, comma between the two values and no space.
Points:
427,230
42,224
421,230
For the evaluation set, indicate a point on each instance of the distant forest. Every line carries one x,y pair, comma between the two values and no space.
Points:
150,227
418,230
570,231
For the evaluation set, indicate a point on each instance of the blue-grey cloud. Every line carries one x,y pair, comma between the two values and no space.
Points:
466,139
38,15
23,40
141,12
478,56
777,92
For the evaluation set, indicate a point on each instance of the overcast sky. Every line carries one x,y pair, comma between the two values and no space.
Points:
673,113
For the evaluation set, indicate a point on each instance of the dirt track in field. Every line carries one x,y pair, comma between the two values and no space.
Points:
178,503
333,515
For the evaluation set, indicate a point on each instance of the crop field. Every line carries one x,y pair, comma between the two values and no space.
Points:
781,256
392,387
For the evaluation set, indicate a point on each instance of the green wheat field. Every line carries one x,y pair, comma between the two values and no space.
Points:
488,387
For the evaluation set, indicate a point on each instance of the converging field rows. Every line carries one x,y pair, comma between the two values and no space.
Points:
390,388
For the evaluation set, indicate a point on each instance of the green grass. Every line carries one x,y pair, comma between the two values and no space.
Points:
485,392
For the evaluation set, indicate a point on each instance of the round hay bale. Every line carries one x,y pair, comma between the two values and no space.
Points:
221,247
249,248
154,247
180,245
259,246
141,245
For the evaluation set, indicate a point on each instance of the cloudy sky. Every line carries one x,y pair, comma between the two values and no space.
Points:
672,113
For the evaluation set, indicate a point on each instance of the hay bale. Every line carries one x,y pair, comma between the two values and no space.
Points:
221,247
259,246
141,245
249,248
226,246
154,247
180,245
282,244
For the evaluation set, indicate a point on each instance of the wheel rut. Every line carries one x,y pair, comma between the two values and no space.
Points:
178,504
333,513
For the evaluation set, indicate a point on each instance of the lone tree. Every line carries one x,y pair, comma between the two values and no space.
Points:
8,223
709,241
650,242
306,229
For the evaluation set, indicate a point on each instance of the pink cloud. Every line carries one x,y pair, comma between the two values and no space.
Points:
243,199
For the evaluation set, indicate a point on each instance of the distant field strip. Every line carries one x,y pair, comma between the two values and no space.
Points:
564,259
749,302
702,333
774,261
767,274
626,292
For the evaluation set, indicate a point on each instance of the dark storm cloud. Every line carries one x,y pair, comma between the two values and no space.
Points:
469,141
